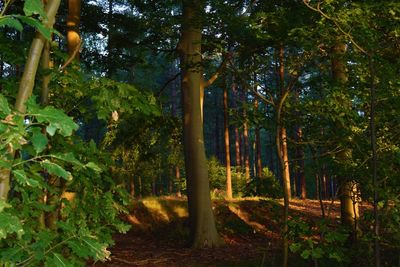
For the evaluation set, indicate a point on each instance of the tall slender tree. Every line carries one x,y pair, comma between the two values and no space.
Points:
202,224
227,145
349,209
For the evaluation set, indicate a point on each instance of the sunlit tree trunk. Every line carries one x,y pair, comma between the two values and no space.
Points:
347,187
227,149
73,35
203,229
258,147
27,83
281,147
300,165
282,130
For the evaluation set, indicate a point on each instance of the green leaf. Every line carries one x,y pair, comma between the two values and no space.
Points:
4,107
57,119
93,166
21,177
4,205
11,22
39,140
57,260
56,169
98,250
87,247
295,247
68,157
51,129
317,253
46,32
306,254
34,7
9,224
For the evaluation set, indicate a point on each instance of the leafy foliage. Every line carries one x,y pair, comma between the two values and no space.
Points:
85,222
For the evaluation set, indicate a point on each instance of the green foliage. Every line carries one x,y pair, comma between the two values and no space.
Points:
320,243
31,9
268,185
217,177
50,165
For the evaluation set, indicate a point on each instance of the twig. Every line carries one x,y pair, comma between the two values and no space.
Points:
323,14
168,82
72,57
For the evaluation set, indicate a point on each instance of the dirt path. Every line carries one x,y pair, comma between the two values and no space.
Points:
250,228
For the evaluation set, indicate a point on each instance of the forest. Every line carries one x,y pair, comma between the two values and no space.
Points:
200,133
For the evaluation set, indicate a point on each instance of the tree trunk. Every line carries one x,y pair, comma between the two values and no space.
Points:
227,150
237,135
300,164
132,187
282,131
178,178
73,35
217,131
258,150
203,229
246,144
1,72
347,187
176,169
46,66
281,147
110,66
27,83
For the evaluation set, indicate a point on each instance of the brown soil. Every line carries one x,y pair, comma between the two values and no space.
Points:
250,228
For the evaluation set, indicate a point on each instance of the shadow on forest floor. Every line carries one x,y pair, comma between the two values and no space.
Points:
249,226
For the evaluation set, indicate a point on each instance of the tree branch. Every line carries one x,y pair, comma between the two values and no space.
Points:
72,57
168,82
323,14
215,76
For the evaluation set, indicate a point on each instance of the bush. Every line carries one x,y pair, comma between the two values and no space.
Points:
217,177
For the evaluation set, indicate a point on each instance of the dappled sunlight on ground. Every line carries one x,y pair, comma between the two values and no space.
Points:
250,227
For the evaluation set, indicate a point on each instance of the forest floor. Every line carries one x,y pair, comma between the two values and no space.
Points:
250,228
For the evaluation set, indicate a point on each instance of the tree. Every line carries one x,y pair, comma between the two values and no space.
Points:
28,81
348,193
227,145
73,34
202,224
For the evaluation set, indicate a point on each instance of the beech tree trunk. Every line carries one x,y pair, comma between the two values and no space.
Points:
202,223
237,135
300,164
281,147
227,149
246,154
258,147
282,130
217,130
73,34
27,83
349,210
